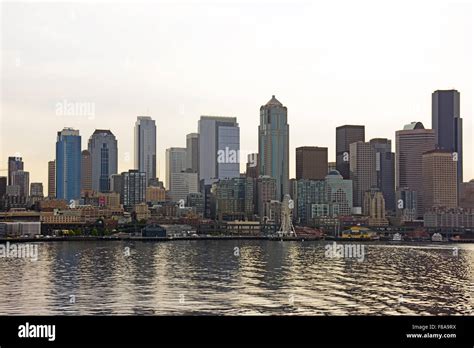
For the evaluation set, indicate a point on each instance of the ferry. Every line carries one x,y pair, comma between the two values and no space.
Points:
360,233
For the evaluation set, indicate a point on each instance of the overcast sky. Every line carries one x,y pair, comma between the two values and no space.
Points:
330,62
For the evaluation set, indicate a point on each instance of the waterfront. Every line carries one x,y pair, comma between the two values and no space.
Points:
237,277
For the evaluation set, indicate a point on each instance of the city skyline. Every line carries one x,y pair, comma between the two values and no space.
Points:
243,156
321,89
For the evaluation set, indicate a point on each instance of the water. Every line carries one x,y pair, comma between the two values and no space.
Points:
260,277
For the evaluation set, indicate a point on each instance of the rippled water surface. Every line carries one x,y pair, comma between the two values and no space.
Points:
237,277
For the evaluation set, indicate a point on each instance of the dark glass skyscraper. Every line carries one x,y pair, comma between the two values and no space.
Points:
104,157
385,170
345,136
14,164
68,164
447,124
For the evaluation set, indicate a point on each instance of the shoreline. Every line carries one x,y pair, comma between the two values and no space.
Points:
206,238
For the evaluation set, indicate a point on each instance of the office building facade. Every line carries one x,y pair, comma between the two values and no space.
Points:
133,188
447,125
345,136
274,145
68,164
362,170
311,162
192,152
104,158
145,146
219,148
410,145
440,186
385,170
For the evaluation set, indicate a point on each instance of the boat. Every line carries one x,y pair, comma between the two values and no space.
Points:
359,233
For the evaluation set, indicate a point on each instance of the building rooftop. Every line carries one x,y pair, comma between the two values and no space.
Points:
414,125
334,172
102,131
273,102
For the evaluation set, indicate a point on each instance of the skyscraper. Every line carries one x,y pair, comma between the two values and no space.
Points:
385,170
104,156
52,179
410,144
274,145
233,199
219,148
266,191
346,135
182,184
338,194
252,170
362,170
440,187
175,163
133,188
22,179
145,146
86,172
68,164
407,204
116,183
192,152
447,124
309,193
14,163
466,195
3,186
311,162
36,189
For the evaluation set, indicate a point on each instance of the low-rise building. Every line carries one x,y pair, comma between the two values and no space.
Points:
449,218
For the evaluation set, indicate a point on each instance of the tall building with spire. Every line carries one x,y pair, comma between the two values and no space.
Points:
274,145
145,146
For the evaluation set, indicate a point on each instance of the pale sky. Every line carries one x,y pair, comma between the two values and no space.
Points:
330,62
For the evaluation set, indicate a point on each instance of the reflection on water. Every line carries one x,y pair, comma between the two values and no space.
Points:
260,277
